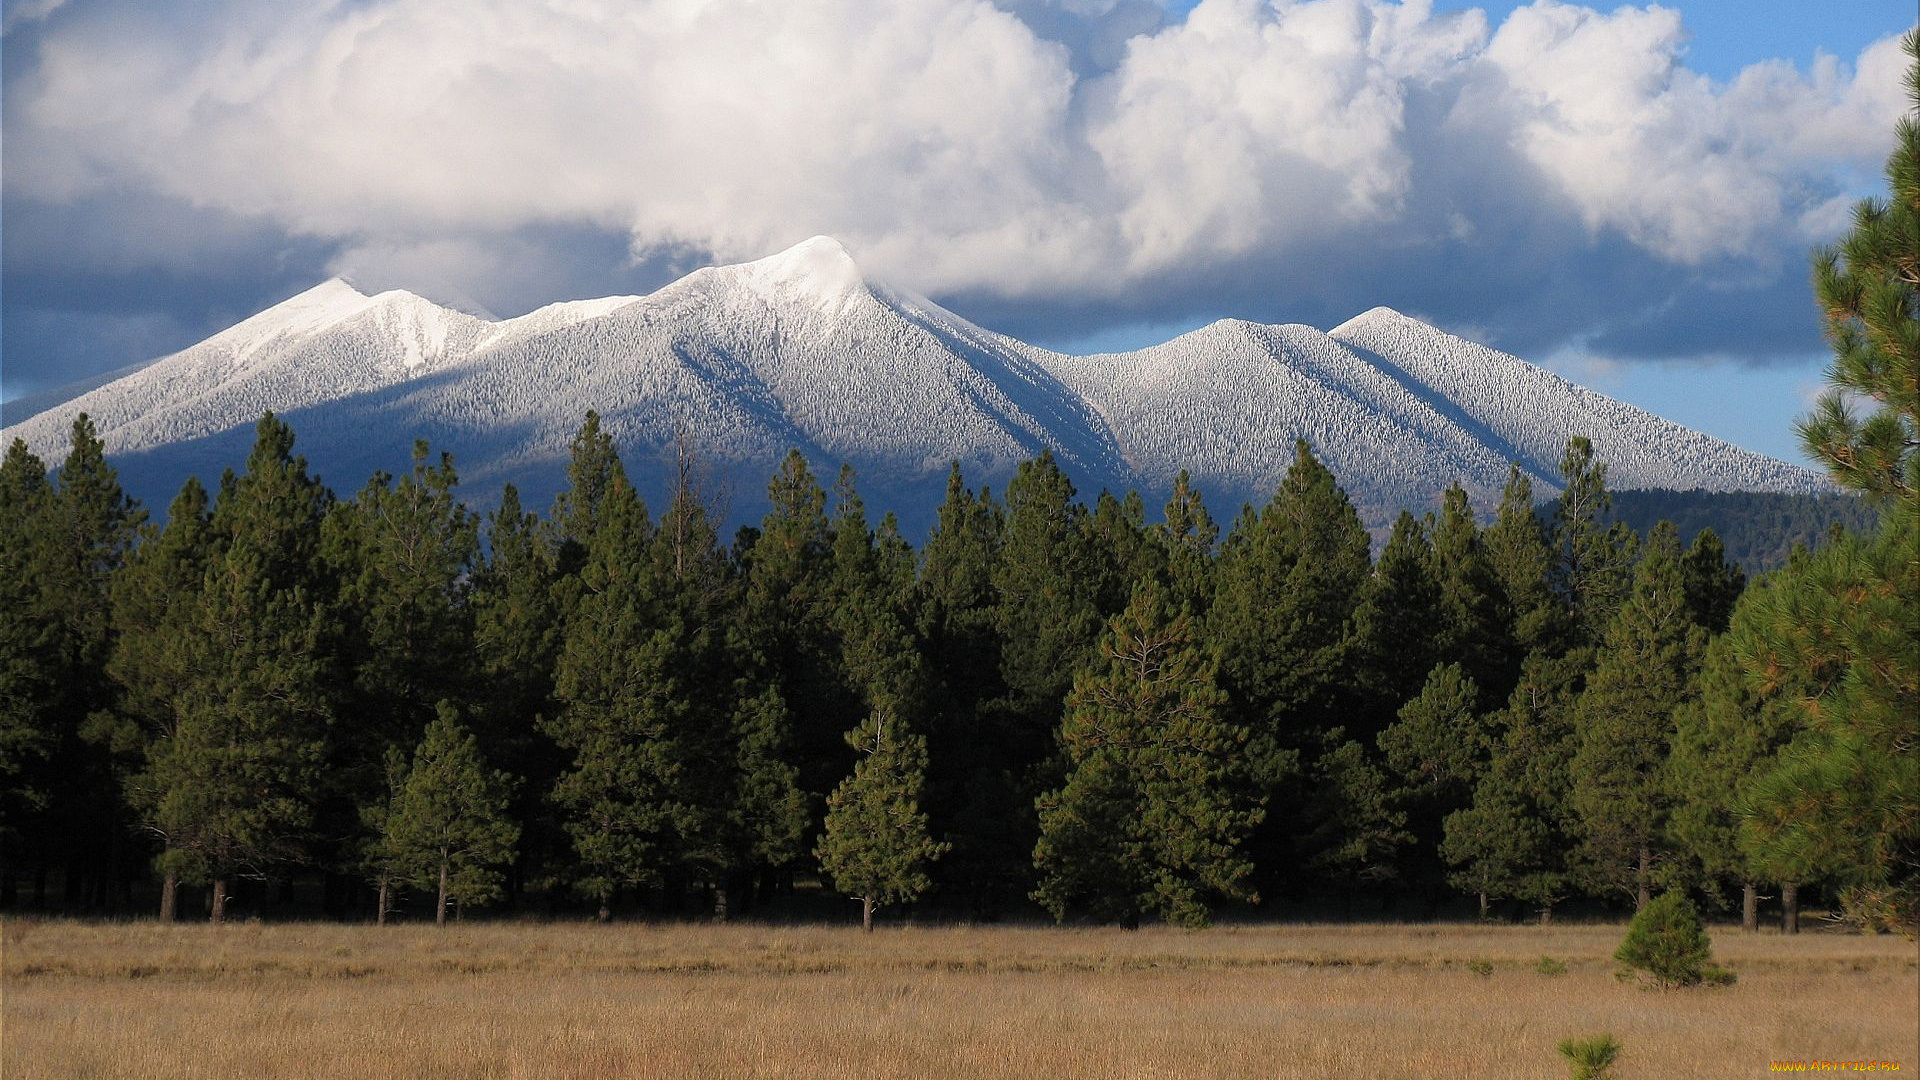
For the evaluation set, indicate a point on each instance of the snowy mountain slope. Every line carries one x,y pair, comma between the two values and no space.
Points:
1226,402
801,350
1527,413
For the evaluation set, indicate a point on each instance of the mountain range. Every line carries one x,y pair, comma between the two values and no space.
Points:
802,349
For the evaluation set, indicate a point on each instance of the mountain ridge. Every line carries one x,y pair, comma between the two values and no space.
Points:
802,349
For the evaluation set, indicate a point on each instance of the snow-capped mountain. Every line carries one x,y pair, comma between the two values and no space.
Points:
802,350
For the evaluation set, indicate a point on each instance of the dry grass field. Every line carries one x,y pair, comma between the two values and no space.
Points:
550,1002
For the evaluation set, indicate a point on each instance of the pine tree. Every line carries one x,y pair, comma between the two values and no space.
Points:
1514,838
404,553
1287,581
155,605
975,798
594,472
1049,618
620,704
516,636
1475,630
1122,556
1397,628
1833,638
1713,584
1593,559
875,846
29,654
1844,800
1436,751
1522,561
232,787
1156,803
449,827
67,539
1186,538
789,606
1646,670
1729,734
1867,287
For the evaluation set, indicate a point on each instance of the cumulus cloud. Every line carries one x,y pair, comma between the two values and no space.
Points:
1100,153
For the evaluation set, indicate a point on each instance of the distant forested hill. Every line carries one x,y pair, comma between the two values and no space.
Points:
1759,529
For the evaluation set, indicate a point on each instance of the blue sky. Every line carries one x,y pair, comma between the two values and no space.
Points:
1627,194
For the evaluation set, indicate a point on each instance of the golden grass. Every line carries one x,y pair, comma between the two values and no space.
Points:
569,1000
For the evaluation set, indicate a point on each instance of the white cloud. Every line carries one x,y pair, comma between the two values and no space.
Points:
950,145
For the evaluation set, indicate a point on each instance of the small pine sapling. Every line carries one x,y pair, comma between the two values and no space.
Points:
1591,1058
1666,941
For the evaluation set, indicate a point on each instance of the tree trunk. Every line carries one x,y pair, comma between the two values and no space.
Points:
219,913
1644,894
1546,913
1790,909
380,912
1750,908
440,908
720,903
169,896
606,907
866,915
1483,905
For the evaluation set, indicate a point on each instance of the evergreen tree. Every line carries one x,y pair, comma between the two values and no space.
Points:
1397,628
1475,630
1122,556
875,846
29,653
449,826
1156,802
1844,800
155,607
1667,941
1593,560
1287,587
1287,581
1186,539
67,539
1729,734
1048,620
789,605
615,681
231,789
1834,639
768,815
1522,562
1713,584
1867,286
594,472
1436,751
1515,836
404,555
516,637
1646,670
975,798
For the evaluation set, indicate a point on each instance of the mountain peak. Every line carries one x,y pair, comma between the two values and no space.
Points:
816,271
1375,316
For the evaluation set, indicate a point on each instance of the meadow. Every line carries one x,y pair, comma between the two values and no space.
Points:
569,1000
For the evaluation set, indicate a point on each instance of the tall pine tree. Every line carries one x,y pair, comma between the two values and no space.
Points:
1156,802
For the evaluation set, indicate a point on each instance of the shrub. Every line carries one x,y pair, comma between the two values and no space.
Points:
1667,942
1549,966
1593,1058
1482,968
